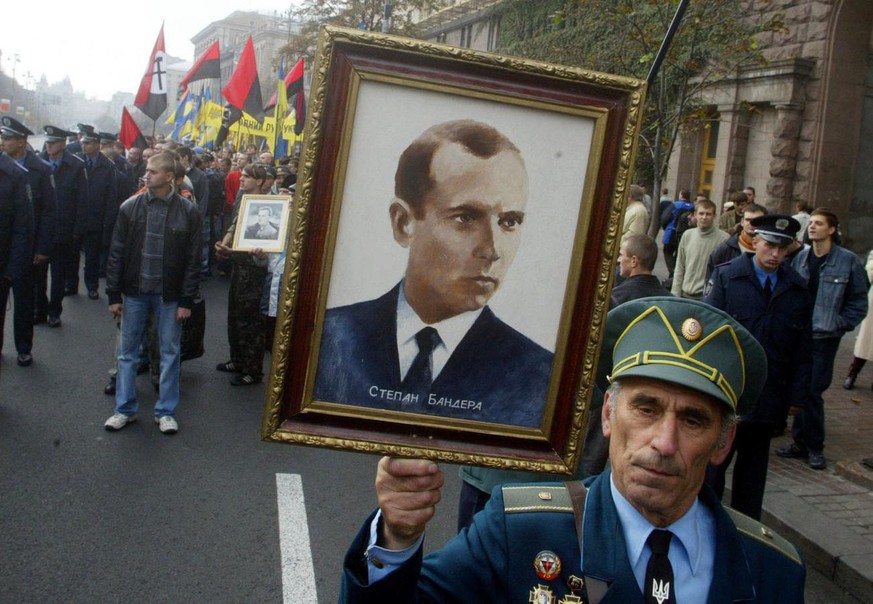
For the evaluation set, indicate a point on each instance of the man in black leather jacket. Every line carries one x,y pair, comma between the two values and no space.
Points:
154,262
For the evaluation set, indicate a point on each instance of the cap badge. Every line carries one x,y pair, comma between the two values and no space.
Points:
782,224
692,329
547,565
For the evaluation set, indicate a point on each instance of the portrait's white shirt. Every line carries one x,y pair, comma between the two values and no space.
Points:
451,332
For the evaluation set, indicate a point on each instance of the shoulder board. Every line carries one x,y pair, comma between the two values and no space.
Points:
763,534
536,498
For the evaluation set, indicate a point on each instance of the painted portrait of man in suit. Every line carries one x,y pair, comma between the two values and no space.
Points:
431,344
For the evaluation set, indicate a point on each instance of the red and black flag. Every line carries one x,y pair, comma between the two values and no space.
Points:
130,134
244,89
207,66
293,84
299,111
151,98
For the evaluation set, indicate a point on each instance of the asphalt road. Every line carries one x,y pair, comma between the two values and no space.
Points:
136,516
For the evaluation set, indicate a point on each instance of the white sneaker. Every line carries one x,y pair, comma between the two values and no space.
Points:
167,424
118,421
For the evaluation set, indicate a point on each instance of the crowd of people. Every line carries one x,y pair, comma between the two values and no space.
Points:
748,290
789,282
153,222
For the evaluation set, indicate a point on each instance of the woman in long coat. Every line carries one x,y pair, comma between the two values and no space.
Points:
864,343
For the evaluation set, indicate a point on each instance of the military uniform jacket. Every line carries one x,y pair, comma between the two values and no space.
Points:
16,220
493,560
42,193
783,326
71,192
102,195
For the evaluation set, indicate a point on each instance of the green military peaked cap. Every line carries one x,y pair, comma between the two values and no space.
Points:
689,343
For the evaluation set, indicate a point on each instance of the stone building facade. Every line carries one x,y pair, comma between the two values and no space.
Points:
269,33
798,127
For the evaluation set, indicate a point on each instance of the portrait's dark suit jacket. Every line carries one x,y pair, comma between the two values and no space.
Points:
493,365
493,559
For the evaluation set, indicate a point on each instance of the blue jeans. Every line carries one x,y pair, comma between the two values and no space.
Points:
133,325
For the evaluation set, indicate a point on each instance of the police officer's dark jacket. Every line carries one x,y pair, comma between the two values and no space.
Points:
782,325
182,250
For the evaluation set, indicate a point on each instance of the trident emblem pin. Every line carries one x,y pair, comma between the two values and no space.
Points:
660,590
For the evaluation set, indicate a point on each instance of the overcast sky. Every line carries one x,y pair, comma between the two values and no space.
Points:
105,46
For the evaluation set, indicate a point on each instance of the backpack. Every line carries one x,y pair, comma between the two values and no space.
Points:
683,223
679,224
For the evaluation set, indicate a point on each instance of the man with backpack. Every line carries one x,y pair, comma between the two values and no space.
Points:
679,221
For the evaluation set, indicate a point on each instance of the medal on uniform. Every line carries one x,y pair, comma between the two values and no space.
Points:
575,583
541,595
570,599
547,565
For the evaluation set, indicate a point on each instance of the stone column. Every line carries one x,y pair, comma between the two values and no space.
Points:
731,166
783,157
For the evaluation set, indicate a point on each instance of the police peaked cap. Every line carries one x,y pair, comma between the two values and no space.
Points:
54,134
88,133
779,229
9,126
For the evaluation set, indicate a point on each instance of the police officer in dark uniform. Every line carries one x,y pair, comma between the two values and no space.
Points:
125,186
767,297
71,190
16,230
13,135
102,210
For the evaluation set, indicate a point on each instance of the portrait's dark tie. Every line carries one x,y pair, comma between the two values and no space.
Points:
658,586
768,290
420,375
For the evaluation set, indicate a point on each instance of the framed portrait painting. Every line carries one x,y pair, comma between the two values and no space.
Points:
450,253
263,223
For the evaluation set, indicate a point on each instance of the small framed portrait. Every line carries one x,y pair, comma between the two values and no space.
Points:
451,251
262,223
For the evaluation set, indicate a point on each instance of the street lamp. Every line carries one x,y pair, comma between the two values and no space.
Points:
16,59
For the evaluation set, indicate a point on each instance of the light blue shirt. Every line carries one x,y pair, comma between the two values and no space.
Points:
381,561
764,275
692,549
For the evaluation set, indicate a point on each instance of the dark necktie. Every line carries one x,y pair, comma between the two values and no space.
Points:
768,290
658,587
420,375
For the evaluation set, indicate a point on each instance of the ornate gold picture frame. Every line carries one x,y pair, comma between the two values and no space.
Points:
479,196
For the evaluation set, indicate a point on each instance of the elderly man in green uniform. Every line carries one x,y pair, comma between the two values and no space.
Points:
647,530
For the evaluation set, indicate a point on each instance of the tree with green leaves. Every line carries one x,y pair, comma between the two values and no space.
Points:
716,37
362,14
